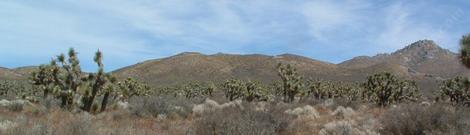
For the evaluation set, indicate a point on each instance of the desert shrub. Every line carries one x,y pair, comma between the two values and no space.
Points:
80,125
160,105
415,119
236,121
385,88
49,102
456,90
37,128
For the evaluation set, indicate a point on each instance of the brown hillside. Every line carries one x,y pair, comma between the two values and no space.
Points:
423,61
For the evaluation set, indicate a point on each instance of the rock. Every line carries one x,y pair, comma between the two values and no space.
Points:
304,112
343,112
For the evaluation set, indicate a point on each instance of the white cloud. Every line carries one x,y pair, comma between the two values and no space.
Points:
403,27
325,16
132,31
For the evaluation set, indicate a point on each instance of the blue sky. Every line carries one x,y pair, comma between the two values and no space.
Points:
131,31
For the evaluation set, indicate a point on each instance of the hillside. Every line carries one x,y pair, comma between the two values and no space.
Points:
423,61
8,74
186,67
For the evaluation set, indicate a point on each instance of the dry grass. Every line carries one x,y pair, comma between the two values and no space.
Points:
416,119
157,115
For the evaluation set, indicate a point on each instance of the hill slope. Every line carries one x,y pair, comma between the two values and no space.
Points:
188,67
8,74
423,61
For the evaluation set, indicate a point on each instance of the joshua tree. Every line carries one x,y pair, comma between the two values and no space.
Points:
385,88
457,90
291,81
465,50
234,89
249,90
68,83
130,87
97,81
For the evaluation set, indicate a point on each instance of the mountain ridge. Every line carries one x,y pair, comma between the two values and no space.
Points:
423,61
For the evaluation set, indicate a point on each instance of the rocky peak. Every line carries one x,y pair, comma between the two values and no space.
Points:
421,47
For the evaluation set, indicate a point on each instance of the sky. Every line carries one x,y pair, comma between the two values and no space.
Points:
132,31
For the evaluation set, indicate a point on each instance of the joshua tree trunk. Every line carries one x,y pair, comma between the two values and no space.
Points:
104,102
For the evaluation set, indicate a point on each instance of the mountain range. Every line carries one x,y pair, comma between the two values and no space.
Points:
423,61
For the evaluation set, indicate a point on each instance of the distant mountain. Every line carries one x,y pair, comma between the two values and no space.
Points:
422,58
423,61
8,74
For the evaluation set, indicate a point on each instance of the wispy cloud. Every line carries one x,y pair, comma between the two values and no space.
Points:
132,31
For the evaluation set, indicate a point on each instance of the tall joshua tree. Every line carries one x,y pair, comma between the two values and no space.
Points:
64,78
97,84
465,50
291,81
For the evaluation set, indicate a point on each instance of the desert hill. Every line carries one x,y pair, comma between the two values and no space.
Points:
423,61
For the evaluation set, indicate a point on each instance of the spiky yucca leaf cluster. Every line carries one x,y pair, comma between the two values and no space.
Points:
465,50
249,90
457,90
385,88
291,81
